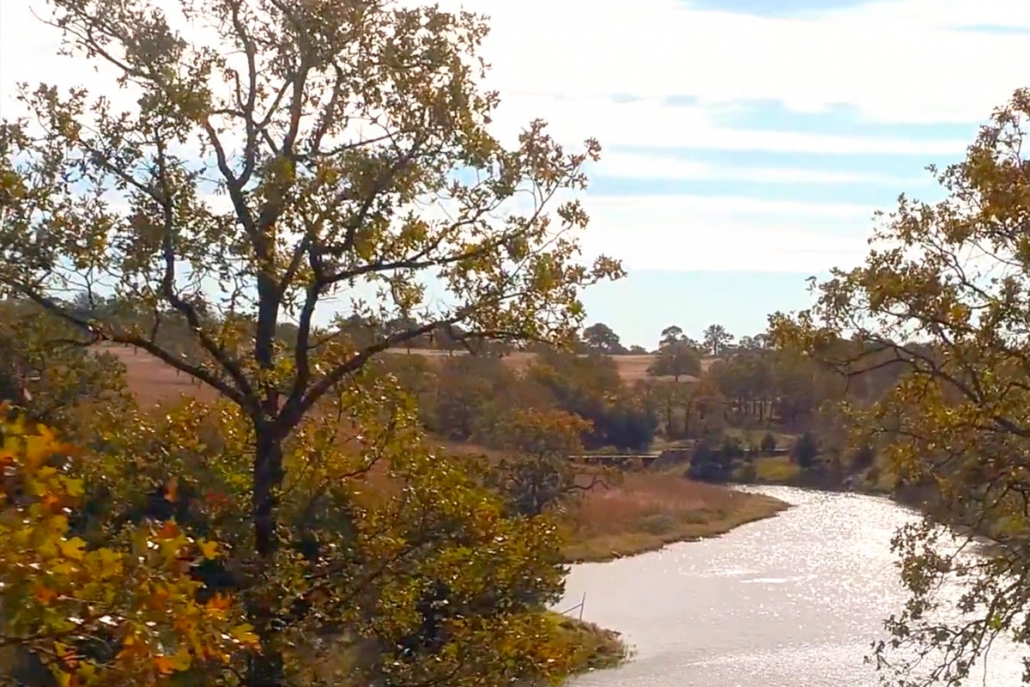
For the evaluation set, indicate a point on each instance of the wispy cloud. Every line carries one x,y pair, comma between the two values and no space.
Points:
744,116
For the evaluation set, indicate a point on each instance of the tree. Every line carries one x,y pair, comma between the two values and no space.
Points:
47,373
711,463
599,337
670,335
306,205
941,301
717,339
541,475
675,360
57,594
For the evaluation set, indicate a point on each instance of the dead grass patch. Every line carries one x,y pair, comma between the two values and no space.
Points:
649,510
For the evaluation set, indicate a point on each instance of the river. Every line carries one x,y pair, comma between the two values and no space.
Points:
792,601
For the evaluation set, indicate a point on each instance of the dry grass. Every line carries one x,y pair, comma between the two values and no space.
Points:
152,381
649,510
593,647
775,470
632,368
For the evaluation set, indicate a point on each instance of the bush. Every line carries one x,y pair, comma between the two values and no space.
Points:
863,458
768,443
708,464
805,451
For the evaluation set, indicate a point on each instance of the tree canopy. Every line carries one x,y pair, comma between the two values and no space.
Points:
272,157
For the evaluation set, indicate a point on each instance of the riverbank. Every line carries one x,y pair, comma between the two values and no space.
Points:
590,646
648,511
645,512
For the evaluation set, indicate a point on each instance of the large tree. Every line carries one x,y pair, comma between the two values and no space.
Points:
600,338
717,339
955,277
276,155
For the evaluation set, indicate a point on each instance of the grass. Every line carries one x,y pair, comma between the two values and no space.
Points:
775,470
650,510
592,647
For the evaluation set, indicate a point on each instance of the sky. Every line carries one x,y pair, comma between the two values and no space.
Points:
747,143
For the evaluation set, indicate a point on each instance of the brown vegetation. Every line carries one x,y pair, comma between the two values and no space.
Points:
632,368
649,510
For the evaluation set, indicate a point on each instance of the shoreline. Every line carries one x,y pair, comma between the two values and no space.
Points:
602,648
656,535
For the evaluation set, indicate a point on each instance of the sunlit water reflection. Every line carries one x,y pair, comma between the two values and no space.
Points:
793,601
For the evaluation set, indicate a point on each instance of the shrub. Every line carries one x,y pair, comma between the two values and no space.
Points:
805,451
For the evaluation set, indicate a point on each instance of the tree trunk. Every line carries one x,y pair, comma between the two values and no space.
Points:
266,668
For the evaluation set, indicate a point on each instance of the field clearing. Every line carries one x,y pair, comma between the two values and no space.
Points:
152,381
632,368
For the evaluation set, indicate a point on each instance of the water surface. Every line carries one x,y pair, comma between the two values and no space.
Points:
792,601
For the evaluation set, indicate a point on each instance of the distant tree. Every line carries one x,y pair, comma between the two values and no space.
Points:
717,339
671,335
636,349
540,474
600,338
863,458
675,360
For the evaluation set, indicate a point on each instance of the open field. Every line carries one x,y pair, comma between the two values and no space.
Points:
151,380
632,368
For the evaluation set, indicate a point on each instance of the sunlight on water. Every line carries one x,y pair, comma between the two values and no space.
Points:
795,601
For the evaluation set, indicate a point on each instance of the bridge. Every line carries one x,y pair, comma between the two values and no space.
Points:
618,460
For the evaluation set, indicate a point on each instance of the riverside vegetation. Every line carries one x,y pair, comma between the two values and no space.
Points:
390,496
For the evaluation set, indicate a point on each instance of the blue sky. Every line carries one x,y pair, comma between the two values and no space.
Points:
747,143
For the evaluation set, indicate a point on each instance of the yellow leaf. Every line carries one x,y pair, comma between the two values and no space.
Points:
244,634
209,549
72,548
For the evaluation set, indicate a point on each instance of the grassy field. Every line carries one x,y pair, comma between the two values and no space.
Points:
632,368
156,381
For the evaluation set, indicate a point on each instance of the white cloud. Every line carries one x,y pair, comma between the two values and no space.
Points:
895,62
630,166
650,123
563,60
726,234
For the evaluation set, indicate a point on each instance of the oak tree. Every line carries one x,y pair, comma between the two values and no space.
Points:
273,156
943,298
